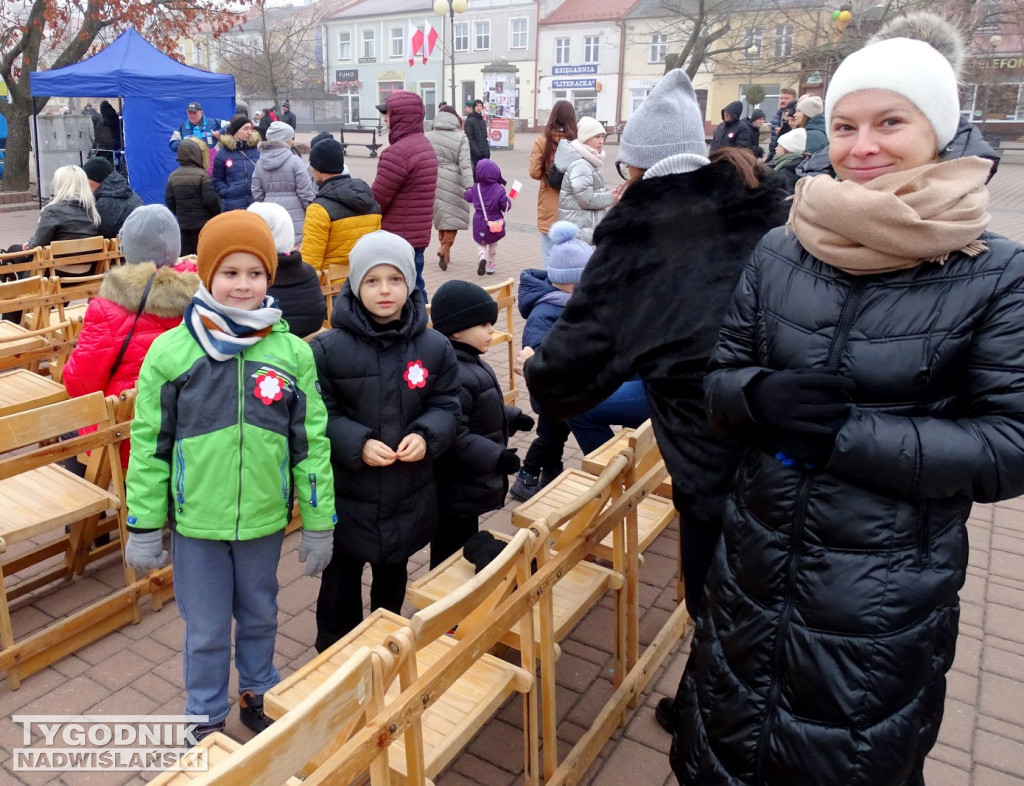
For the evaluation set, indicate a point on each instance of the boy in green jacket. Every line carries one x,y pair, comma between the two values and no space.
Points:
228,427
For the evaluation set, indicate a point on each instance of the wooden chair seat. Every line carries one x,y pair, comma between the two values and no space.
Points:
572,597
22,390
17,338
595,461
69,498
653,513
447,724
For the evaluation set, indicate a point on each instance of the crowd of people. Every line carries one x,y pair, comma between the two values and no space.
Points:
824,335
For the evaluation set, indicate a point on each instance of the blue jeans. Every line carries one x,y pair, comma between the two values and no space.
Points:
546,245
627,406
213,581
417,258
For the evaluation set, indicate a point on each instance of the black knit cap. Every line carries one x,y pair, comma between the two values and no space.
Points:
459,305
236,124
327,156
97,168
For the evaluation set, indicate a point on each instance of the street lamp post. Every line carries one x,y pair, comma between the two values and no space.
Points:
993,42
451,8
752,52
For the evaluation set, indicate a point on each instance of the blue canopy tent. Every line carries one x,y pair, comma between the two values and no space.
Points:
155,89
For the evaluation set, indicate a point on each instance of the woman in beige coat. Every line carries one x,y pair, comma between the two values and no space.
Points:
561,125
454,176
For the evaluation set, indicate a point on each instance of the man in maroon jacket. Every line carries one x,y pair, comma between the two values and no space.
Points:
407,176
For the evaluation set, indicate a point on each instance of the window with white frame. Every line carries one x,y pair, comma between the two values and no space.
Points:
637,96
397,42
518,33
591,48
753,44
344,44
461,36
561,51
783,40
481,35
369,44
197,53
658,48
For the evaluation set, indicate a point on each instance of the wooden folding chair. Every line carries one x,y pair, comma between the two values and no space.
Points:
79,267
41,334
40,498
316,726
504,294
450,722
330,290
31,262
114,252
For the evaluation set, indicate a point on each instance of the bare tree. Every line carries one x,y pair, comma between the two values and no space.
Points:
55,33
273,49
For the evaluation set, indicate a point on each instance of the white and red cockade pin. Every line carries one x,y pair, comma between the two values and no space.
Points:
269,387
416,374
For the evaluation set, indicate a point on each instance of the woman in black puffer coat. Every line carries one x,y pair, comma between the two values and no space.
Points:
871,362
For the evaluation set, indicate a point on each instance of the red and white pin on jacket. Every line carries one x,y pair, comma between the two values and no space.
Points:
416,374
269,386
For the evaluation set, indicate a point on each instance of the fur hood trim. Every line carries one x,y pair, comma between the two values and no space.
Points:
228,142
170,293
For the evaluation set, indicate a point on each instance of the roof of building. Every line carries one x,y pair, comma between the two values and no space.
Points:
588,11
378,8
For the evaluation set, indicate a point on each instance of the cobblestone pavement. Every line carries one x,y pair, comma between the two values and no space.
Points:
137,669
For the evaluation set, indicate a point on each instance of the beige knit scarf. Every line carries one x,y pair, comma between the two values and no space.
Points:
896,221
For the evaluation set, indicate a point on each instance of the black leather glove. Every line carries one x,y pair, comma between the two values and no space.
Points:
802,401
523,422
481,549
508,462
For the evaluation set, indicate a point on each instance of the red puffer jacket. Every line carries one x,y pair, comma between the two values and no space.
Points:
407,172
108,320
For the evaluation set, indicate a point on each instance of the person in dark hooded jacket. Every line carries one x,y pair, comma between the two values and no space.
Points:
190,194
114,197
732,131
476,132
472,475
754,123
391,386
870,364
407,176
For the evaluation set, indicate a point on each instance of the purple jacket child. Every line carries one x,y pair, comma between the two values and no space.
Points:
491,188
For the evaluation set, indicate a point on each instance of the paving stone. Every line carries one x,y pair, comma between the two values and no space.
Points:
119,669
643,728
576,673
1008,622
1002,698
1008,565
590,703
596,629
1004,662
984,776
631,762
952,756
957,728
72,597
152,650
500,745
968,655
938,773
157,688
997,752
478,771
28,619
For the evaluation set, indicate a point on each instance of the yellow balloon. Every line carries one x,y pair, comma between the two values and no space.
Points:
845,16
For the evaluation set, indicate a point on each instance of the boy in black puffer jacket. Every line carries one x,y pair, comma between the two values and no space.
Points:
391,387
190,194
472,476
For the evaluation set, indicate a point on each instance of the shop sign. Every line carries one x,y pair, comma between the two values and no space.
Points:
391,76
574,70
346,75
367,59
573,84
1011,63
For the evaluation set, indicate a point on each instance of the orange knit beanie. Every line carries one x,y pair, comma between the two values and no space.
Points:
236,230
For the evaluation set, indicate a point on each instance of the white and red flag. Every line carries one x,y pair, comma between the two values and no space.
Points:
415,44
514,191
429,40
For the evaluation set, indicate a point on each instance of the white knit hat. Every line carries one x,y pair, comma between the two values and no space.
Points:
908,67
587,128
794,141
280,222
810,106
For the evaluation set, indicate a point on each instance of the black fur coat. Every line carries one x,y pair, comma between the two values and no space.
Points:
651,301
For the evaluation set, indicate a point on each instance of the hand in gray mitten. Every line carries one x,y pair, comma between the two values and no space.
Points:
145,550
318,546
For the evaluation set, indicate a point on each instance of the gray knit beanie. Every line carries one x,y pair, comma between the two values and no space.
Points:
380,248
151,234
667,123
280,132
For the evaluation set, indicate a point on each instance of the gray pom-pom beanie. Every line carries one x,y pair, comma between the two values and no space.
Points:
151,234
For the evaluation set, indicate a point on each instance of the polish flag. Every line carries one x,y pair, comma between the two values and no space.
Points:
415,43
429,40
514,191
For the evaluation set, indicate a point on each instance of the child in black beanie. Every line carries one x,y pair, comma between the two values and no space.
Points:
472,475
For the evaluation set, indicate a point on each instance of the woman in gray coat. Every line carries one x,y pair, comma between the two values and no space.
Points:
281,176
454,176
584,199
